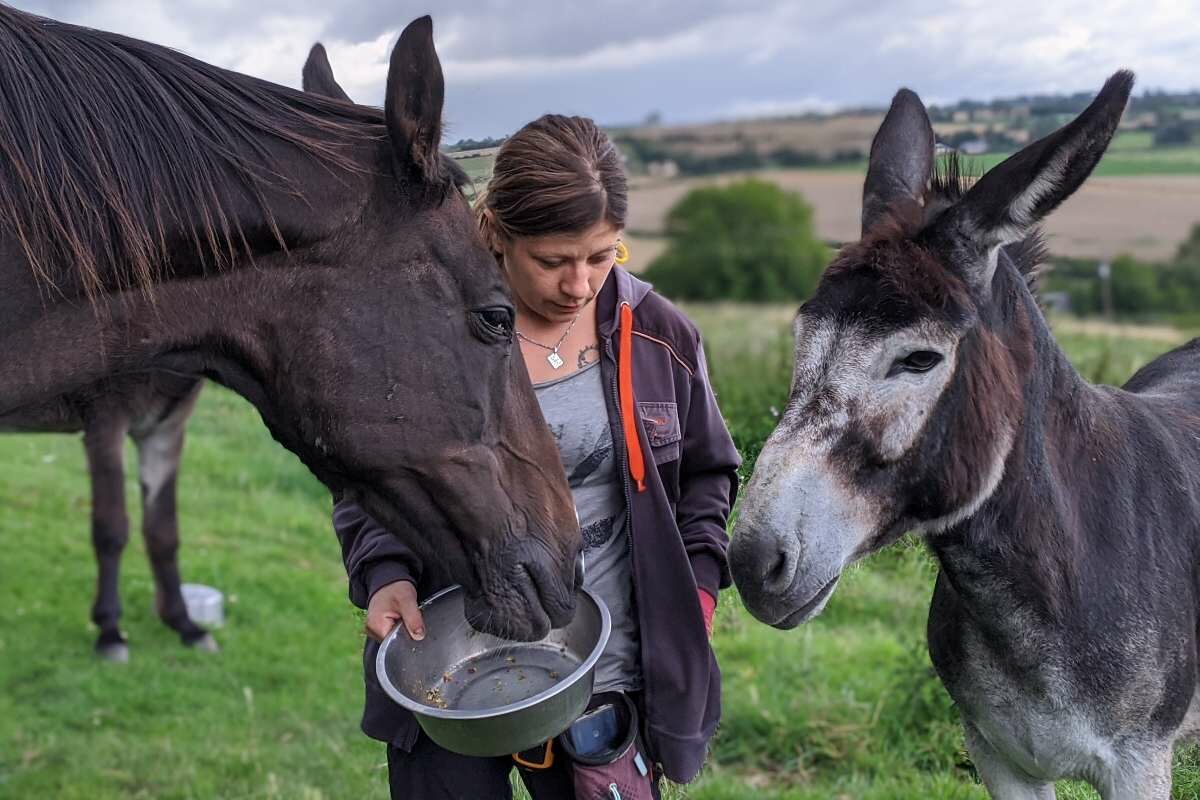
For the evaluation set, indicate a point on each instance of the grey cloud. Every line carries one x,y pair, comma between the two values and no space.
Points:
507,62
495,28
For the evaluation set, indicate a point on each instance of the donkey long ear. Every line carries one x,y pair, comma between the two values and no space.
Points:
318,75
1005,204
413,106
901,159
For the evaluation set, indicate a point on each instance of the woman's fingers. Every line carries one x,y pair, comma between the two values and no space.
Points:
396,602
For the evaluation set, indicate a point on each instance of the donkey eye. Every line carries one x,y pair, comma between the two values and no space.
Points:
496,322
917,361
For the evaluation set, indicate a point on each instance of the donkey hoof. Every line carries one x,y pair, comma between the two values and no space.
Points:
205,644
114,652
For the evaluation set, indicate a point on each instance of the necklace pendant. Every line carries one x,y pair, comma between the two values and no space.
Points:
555,359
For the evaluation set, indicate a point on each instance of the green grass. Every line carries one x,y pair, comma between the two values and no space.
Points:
478,168
1131,140
273,715
844,707
1130,162
1130,154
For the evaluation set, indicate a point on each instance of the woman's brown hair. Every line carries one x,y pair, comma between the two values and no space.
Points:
557,174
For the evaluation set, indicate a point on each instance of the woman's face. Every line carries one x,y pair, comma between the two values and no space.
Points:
554,277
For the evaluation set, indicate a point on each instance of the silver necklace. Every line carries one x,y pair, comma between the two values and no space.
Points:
554,358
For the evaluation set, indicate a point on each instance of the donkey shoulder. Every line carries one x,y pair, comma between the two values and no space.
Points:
1175,370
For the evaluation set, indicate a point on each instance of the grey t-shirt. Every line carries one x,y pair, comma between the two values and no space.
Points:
575,409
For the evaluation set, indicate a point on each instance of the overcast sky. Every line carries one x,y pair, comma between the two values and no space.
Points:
508,62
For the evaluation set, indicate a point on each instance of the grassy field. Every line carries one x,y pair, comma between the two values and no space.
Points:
845,707
477,167
1133,154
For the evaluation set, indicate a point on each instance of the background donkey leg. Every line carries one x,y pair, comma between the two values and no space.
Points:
1146,776
160,449
104,440
1003,780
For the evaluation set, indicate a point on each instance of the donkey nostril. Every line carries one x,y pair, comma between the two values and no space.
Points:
779,576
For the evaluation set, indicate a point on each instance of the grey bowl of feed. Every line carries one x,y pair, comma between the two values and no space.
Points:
480,695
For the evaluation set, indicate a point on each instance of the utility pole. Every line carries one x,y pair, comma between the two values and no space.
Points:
1104,270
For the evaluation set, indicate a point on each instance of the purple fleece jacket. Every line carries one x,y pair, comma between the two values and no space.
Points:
676,529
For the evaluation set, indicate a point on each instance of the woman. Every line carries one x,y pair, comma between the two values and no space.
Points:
621,379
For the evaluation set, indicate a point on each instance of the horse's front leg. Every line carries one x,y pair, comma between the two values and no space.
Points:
159,453
1003,779
104,441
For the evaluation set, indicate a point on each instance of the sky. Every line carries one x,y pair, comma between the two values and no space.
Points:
506,63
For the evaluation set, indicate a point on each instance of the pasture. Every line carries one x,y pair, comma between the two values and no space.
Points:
844,707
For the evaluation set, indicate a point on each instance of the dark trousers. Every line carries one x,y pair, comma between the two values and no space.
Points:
430,772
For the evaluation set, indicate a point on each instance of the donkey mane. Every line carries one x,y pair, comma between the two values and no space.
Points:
951,179
108,144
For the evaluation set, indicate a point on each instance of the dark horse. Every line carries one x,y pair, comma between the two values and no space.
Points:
930,395
313,255
152,409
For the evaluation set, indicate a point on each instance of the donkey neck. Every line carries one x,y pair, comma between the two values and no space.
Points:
1035,532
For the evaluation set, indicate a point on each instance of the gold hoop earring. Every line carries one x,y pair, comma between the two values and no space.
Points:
622,253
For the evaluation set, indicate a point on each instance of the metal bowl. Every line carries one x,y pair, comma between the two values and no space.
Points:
480,695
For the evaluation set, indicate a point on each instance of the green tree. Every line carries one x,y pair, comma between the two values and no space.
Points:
1135,286
1188,254
1181,276
749,241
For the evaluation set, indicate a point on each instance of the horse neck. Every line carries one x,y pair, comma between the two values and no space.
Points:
237,313
51,348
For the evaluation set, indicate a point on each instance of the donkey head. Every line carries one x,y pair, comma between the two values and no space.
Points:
906,393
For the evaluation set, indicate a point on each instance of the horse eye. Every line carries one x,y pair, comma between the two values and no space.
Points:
916,361
496,321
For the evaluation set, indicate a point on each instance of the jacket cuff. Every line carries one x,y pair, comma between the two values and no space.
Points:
708,572
680,756
381,573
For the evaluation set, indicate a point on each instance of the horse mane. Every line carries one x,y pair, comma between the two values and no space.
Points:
108,144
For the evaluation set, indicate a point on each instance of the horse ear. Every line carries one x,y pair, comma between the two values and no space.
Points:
901,159
413,105
1010,199
318,75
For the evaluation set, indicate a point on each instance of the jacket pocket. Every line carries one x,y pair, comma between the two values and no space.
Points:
661,421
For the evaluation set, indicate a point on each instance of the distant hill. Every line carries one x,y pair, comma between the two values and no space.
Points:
1170,119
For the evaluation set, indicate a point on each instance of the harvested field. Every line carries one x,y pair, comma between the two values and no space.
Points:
1146,216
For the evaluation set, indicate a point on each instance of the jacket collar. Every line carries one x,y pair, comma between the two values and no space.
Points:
620,287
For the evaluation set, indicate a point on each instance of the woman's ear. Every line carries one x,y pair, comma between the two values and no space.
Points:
491,234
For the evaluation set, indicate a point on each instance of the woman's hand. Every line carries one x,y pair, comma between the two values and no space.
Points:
395,602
